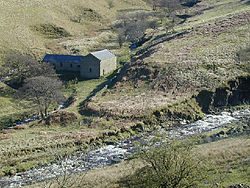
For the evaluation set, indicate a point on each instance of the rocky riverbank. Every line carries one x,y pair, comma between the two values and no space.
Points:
110,154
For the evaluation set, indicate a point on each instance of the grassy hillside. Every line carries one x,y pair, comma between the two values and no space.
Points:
11,108
202,53
39,27
36,27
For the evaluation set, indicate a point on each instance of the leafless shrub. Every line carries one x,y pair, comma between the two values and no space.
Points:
131,27
64,179
19,67
43,91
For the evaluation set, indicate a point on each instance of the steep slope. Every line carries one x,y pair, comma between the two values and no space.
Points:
202,53
37,26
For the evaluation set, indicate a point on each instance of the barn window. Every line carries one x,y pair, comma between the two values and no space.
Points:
61,65
103,71
71,65
90,70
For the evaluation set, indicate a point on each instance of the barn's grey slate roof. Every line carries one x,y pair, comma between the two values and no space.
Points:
103,54
55,58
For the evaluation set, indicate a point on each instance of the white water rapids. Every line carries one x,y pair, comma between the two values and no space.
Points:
110,154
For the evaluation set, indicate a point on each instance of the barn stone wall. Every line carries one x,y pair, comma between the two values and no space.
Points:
66,66
107,66
90,67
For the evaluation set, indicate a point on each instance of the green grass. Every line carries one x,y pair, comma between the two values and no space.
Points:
203,58
229,156
11,108
30,147
27,147
17,34
83,90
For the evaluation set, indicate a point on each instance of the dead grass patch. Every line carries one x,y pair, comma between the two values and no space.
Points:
231,150
7,131
61,117
21,127
4,136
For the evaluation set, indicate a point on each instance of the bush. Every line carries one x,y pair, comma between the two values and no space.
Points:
11,119
244,55
169,164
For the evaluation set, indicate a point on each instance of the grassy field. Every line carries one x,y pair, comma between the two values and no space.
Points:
11,108
229,156
25,147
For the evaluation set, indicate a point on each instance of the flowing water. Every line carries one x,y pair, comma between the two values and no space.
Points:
111,154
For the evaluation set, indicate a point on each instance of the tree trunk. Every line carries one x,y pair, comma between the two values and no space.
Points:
41,113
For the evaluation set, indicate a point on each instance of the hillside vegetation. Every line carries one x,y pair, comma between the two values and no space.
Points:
39,26
61,27
233,151
201,54
158,80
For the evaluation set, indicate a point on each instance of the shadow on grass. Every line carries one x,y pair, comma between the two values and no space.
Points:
106,84
131,10
146,52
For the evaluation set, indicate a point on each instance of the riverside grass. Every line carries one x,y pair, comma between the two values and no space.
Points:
228,155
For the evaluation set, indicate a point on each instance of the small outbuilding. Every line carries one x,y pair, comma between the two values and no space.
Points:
94,65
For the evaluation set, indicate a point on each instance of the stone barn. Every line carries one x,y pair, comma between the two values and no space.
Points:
94,65
98,64
64,62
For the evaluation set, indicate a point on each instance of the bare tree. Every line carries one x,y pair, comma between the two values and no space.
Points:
20,67
167,5
42,91
169,9
131,27
170,6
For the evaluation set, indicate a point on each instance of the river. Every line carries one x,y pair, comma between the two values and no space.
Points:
110,154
